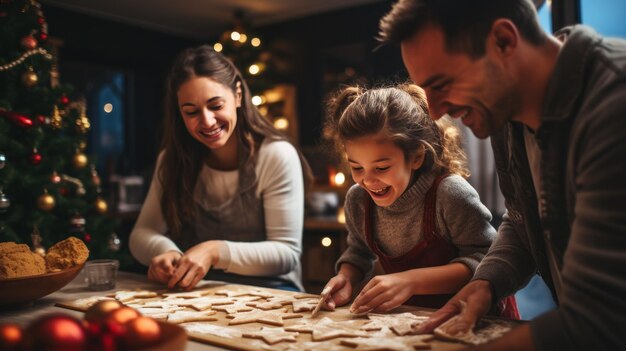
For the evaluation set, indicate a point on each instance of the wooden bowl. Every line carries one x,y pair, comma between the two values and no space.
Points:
15,292
173,337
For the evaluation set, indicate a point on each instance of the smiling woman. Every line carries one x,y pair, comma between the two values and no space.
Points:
226,202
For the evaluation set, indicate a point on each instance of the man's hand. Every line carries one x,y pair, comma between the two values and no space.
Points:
478,297
194,265
162,266
384,293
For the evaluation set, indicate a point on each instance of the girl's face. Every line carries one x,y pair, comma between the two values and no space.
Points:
209,111
379,167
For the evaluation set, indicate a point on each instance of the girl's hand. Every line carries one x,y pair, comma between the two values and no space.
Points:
340,291
162,266
384,293
194,265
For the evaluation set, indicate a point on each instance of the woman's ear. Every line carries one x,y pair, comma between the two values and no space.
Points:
238,94
418,158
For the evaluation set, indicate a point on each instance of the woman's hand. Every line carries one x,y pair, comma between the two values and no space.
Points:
162,266
194,265
384,293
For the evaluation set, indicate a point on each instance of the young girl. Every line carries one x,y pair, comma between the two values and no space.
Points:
411,207
227,198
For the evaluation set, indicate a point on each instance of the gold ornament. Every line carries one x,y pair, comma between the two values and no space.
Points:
57,120
29,78
79,160
101,206
82,145
45,202
82,122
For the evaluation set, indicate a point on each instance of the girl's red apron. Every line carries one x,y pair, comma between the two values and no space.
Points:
431,251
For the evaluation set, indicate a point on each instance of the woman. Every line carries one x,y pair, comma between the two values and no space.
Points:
226,201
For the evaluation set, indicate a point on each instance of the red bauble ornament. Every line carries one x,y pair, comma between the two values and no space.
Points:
17,118
35,158
87,238
11,336
43,36
122,315
140,332
101,310
56,332
43,120
28,42
41,20
64,100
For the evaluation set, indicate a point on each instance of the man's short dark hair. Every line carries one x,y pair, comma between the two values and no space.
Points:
465,23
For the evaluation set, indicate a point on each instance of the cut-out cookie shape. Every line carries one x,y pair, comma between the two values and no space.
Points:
128,295
233,308
236,293
271,303
325,329
400,323
273,317
392,343
271,335
191,316
304,305
306,346
186,294
485,331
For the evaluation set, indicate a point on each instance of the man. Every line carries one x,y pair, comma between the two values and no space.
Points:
555,109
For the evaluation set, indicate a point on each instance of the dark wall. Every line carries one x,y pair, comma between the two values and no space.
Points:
305,43
311,40
143,55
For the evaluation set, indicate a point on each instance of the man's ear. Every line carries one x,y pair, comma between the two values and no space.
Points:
418,158
238,94
503,37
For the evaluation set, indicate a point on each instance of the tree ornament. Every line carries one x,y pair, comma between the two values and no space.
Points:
64,100
5,203
29,78
56,332
43,120
77,224
28,42
19,119
114,242
82,145
36,247
87,238
11,336
35,157
3,160
141,332
79,160
45,201
94,176
101,205
82,122
99,311
55,178
56,121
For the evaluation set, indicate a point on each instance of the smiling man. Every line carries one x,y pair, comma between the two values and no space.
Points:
555,108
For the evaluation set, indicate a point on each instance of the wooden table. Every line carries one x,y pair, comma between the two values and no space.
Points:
77,289
130,281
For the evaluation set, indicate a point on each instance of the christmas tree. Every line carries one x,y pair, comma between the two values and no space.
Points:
49,188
